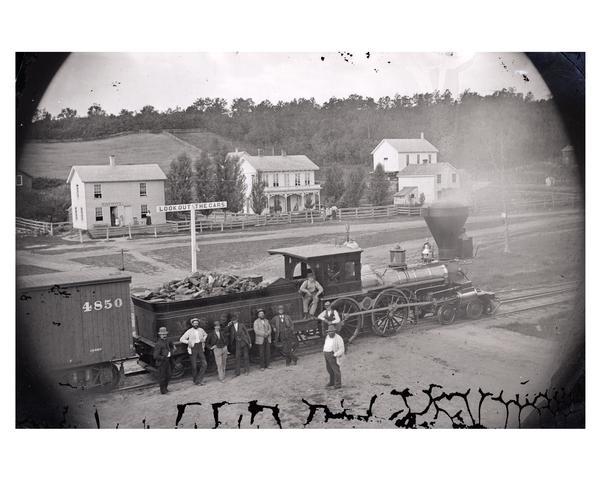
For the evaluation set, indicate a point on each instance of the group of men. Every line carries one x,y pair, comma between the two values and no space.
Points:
279,331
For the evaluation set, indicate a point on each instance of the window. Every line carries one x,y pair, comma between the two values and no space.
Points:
97,190
143,192
418,158
19,180
75,210
306,178
275,179
297,180
385,159
144,211
99,216
439,178
81,212
407,158
429,157
454,178
77,190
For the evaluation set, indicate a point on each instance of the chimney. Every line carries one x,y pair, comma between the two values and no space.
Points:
111,160
422,136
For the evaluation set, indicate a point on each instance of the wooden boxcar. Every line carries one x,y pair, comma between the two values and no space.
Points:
75,325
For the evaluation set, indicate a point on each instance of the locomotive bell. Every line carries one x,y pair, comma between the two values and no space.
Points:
397,257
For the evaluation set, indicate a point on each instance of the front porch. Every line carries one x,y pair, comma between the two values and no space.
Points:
295,201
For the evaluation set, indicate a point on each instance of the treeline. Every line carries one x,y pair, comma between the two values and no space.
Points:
467,130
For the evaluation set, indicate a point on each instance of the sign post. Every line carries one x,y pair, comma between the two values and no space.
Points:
192,207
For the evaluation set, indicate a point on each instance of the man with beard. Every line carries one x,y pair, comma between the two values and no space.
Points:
195,339
163,352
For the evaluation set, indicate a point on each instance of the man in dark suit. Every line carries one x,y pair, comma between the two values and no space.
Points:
163,352
240,339
284,336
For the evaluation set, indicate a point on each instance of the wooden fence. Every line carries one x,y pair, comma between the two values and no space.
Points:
25,226
132,230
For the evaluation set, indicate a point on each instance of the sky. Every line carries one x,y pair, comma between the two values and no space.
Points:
166,80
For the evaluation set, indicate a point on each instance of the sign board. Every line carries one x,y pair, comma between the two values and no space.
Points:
191,206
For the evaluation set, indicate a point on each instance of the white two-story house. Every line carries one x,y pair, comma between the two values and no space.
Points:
396,153
289,181
116,195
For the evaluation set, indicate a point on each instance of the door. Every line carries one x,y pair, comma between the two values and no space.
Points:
113,216
127,216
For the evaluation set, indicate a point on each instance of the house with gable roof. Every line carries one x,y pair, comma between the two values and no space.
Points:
289,180
396,153
116,195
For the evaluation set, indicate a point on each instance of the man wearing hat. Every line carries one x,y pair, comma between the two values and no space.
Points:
333,350
310,290
163,352
240,339
195,338
284,336
329,316
262,338
217,342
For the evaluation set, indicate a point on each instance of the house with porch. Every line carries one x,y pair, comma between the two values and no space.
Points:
289,181
116,195
394,154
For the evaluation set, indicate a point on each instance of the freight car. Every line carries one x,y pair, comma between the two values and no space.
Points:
75,326
384,301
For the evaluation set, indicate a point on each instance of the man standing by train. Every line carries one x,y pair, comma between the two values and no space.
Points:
163,352
329,316
284,336
333,350
217,342
240,338
262,338
195,338
310,290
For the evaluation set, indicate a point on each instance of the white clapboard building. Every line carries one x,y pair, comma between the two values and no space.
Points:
289,181
394,154
116,195
434,180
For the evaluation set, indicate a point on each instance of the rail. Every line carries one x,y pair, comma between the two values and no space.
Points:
25,225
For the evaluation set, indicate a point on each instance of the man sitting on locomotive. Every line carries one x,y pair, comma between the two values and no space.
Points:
328,317
427,252
195,339
310,290
163,352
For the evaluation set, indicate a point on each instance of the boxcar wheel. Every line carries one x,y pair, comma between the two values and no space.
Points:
350,326
389,321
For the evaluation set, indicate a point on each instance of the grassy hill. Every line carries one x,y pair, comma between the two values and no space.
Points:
54,159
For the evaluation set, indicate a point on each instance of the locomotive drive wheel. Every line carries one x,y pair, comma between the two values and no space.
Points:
474,310
177,367
387,322
446,314
350,325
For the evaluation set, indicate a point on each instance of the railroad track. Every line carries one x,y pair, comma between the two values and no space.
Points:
313,346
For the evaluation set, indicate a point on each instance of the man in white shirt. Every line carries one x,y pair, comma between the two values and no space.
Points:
195,338
262,338
310,290
329,316
333,350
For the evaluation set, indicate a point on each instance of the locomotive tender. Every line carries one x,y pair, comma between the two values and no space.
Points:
79,324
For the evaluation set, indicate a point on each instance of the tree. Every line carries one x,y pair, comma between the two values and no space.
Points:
95,110
354,187
333,187
378,187
180,180
205,180
230,183
257,197
67,113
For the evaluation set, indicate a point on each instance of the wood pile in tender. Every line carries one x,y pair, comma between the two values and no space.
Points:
202,285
